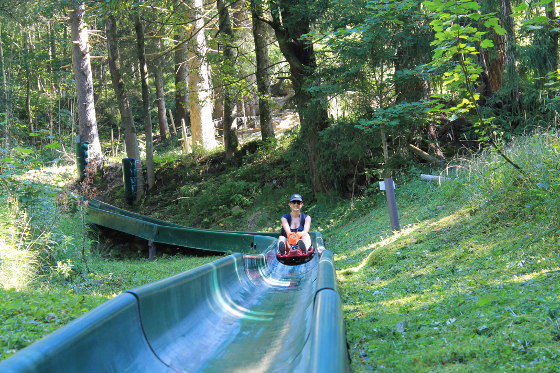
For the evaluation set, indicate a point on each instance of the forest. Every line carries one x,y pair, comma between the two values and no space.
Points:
224,108
375,85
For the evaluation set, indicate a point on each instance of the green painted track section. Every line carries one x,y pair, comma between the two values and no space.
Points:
245,312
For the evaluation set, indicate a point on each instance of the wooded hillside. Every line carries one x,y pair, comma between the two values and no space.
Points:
377,85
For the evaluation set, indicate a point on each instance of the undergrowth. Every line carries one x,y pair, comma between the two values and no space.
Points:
205,190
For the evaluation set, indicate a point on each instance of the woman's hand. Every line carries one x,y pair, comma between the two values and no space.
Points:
293,238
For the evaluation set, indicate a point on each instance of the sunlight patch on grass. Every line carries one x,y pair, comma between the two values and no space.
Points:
407,300
17,266
531,276
56,175
403,238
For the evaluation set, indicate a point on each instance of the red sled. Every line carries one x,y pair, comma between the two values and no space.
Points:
293,256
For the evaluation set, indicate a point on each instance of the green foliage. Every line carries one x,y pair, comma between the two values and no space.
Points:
458,39
512,196
222,191
360,43
469,283
395,117
346,162
44,279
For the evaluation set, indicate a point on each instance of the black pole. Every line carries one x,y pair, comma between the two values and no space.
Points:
151,250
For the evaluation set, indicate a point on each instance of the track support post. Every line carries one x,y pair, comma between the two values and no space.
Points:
151,250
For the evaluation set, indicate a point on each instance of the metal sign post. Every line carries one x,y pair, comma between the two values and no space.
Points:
388,185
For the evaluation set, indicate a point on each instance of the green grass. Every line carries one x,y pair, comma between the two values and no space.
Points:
26,316
443,296
470,283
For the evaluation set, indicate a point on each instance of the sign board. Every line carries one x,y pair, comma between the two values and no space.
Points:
382,185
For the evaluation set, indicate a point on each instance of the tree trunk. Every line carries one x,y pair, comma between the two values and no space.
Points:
553,54
262,73
200,95
160,94
84,83
493,63
510,78
311,107
28,102
181,83
131,143
145,101
6,107
52,49
229,113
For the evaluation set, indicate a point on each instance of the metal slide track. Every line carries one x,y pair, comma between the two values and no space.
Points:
240,313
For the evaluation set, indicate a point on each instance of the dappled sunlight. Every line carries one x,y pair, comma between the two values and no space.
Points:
384,242
17,266
56,175
530,276
406,300
406,233
354,252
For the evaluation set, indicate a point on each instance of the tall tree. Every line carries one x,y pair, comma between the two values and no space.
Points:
157,67
291,21
510,76
6,108
84,83
141,49
228,66
262,73
553,35
200,95
131,142
181,81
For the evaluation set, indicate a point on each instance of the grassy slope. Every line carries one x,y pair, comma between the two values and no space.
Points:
471,283
455,290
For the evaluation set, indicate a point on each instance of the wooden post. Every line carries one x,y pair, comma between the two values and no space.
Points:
151,250
112,143
187,141
172,122
118,140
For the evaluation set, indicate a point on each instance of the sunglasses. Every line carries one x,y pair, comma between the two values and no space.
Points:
296,202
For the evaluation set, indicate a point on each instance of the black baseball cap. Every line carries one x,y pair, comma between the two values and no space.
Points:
296,197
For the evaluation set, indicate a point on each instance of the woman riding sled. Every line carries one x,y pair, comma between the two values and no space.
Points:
295,221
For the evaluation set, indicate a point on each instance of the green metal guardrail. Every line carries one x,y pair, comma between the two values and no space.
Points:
240,312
